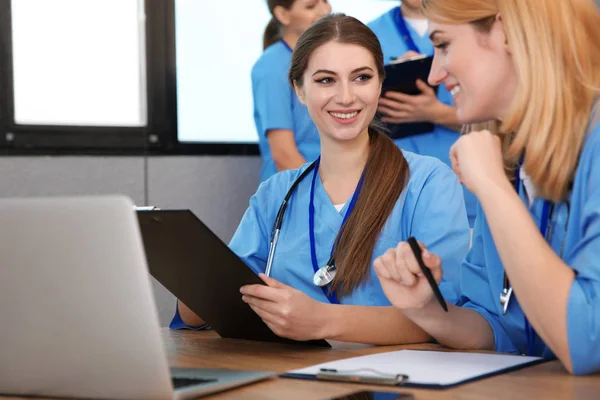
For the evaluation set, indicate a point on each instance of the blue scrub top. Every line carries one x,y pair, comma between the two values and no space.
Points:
430,208
437,143
276,106
578,241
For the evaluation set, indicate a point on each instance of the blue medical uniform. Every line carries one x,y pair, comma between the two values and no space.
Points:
430,208
438,142
576,238
276,106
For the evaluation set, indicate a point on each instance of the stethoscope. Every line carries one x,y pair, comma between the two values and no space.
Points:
546,221
323,275
279,219
546,232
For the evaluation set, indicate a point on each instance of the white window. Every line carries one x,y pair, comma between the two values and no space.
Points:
79,62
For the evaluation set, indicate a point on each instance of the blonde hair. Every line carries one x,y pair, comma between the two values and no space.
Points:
555,47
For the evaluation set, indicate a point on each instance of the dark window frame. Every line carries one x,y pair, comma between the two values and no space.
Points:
159,137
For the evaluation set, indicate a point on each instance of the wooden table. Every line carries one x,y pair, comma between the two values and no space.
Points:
206,350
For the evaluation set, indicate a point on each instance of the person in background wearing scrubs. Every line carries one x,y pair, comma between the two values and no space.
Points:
287,136
361,197
402,32
532,69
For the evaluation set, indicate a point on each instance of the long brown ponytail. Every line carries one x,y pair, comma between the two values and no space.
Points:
386,172
386,175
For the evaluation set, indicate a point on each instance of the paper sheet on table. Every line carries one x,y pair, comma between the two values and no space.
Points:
427,368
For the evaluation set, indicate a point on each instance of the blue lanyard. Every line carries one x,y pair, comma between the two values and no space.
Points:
287,46
311,225
403,30
529,331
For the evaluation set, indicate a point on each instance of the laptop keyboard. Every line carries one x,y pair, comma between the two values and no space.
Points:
183,382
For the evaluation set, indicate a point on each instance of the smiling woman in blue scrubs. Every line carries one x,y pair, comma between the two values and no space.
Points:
402,32
361,197
287,136
531,282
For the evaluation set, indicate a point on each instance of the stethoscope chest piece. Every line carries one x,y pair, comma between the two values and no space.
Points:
324,275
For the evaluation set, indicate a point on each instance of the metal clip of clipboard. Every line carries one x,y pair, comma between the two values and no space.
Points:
329,374
145,208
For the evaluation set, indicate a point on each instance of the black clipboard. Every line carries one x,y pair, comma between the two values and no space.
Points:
402,77
188,259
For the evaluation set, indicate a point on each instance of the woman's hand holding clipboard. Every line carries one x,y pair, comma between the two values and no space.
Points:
407,102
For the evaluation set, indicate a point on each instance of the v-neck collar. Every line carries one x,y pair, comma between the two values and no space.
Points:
325,210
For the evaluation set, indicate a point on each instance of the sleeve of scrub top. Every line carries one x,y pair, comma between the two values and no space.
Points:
273,101
583,307
475,291
441,224
251,239
177,323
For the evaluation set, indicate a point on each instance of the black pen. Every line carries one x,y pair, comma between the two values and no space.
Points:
427,272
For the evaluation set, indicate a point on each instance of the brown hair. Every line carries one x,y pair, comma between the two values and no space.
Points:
273,30
386,171
555,47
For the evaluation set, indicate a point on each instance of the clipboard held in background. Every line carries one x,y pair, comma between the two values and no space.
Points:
401,76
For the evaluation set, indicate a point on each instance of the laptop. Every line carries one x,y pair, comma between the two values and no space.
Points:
77,312
188,259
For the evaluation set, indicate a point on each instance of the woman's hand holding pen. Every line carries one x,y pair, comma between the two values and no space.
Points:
287,312
477,161
401,277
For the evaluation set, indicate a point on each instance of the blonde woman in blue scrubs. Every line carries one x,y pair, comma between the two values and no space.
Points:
531,282
287,136
361,197
402,32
